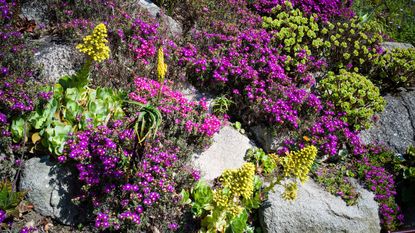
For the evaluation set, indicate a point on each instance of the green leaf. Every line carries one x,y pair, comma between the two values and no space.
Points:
17,129
238,224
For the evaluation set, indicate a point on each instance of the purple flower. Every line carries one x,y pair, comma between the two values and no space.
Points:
3,215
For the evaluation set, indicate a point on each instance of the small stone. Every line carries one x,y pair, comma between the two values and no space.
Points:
269,140
174,27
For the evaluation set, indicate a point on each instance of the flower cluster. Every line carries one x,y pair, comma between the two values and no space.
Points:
381,182
249,70
142,40
328,132
122,183
353,94
179,111
28,230
94,45
324,9
240,181
3,215
6,9
298,163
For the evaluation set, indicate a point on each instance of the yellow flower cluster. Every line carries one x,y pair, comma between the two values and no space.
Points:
94,45
224,200
161,66
297,164
240,181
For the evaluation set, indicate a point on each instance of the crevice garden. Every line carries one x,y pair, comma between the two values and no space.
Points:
207,116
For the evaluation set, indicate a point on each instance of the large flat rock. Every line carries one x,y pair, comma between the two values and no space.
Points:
317,211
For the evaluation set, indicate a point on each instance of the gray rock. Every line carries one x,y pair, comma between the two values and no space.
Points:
192,94
395,45
50,189
57,60
317,211
35,10
174,27
269,139
396,127
226,152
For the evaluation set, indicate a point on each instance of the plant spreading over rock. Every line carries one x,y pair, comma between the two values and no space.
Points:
324,9
353,94
394,69
239,192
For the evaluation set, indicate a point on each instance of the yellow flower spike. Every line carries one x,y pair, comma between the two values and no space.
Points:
297,164
240,181
161,66
94,45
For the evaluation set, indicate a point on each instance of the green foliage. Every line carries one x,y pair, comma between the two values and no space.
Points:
225,208
221,105
395,18
72,107
296,33
265,163
238,126
147,121
336,180
402,166
393,69
347,45
9,199
354,45
354,95
408,166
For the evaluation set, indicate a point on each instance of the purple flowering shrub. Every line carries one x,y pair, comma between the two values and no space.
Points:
249,70
324,9
183,118
328,132
6,10
130,184
378,180
244,63
17,88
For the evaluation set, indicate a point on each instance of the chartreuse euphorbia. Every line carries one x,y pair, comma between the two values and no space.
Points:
354,95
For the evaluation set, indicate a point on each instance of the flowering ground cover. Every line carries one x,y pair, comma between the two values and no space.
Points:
312,68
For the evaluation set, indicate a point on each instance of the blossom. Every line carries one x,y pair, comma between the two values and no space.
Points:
3,215
161,66
94,45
